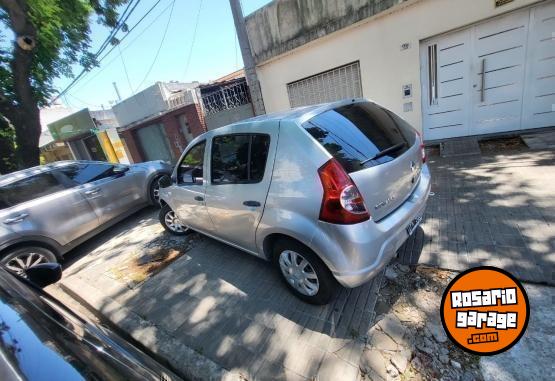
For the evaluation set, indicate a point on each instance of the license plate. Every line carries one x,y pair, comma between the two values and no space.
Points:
413,225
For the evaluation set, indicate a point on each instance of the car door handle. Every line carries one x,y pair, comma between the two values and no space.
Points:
199,198
251,203
92,191
16,219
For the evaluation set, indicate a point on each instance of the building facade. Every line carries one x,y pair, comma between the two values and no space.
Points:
451,68
90,135
226,100
159,122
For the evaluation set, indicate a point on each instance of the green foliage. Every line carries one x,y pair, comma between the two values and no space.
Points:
7,147
42,40
62,40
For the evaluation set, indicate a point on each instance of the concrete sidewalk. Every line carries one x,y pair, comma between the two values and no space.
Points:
226,306
216,312
494,209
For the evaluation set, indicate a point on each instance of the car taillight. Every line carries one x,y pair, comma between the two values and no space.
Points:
342,202
422,149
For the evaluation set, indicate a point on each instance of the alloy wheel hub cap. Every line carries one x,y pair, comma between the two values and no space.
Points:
22,262
299,273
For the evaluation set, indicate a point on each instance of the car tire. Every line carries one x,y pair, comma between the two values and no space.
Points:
166,216
28,256
318,285
155,187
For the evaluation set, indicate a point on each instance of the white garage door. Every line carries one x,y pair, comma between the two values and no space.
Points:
493,77
332,85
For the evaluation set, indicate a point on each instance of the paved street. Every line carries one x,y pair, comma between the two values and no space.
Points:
226,305
494,209
217,309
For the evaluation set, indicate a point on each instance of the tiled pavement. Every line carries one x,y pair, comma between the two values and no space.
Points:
231,307
496,209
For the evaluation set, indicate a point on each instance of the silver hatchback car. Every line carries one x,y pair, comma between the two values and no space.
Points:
47,210
327,192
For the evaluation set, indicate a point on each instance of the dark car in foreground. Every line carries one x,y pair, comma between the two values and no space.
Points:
41,339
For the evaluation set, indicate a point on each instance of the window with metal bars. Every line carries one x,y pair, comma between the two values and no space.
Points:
339,83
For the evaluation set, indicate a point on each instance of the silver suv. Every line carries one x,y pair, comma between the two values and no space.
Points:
328,192
45,211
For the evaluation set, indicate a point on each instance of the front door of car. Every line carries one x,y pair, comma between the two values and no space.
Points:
45,205
186,195
111,190
241,161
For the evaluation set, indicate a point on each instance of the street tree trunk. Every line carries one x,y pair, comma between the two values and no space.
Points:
21,109
27,134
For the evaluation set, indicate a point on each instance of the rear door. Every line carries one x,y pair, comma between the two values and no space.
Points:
240,173
42,205
110,194
378,149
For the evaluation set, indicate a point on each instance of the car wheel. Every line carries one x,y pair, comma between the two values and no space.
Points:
20,259
303,272
171,223
155,191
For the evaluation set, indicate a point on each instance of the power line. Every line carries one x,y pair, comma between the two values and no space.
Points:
85,71
193,41
125,48
131,30
159,48
81,101
119,24
125,70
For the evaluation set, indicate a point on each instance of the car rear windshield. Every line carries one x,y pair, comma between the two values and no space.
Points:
361,135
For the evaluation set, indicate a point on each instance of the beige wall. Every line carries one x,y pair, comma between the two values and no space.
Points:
376,43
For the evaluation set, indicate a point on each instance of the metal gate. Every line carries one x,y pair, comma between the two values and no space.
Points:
332,85
495,76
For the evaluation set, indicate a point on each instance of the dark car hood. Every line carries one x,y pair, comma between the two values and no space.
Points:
40,339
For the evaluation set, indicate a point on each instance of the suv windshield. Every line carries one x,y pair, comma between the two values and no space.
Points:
361,135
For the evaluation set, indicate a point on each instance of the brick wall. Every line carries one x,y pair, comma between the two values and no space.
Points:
170,121
131,144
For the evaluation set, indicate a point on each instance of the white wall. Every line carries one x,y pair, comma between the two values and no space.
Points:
376,43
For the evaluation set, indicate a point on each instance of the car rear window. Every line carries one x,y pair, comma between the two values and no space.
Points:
358,135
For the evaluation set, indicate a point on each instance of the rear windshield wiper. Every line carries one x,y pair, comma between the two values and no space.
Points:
384,152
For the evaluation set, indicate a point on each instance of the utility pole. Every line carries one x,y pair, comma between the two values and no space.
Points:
248,60
117,91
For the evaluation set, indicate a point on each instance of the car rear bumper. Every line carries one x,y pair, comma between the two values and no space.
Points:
356,253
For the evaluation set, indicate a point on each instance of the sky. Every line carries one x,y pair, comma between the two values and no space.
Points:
215,51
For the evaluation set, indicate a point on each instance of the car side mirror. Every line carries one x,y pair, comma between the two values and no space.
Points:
44,274
165,181
120,169
187,178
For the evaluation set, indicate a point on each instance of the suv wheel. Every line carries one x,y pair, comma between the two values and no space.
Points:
20,259
171,223
303,272
155,191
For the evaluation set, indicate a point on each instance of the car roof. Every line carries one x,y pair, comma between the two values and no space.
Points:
301,114
297,115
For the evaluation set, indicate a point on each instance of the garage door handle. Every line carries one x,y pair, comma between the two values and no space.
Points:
251,203
16,219
199,198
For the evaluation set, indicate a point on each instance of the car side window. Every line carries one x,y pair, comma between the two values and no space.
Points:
239,158
30,188
190,168
87,172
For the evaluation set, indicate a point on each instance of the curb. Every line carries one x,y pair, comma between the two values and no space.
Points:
189,363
